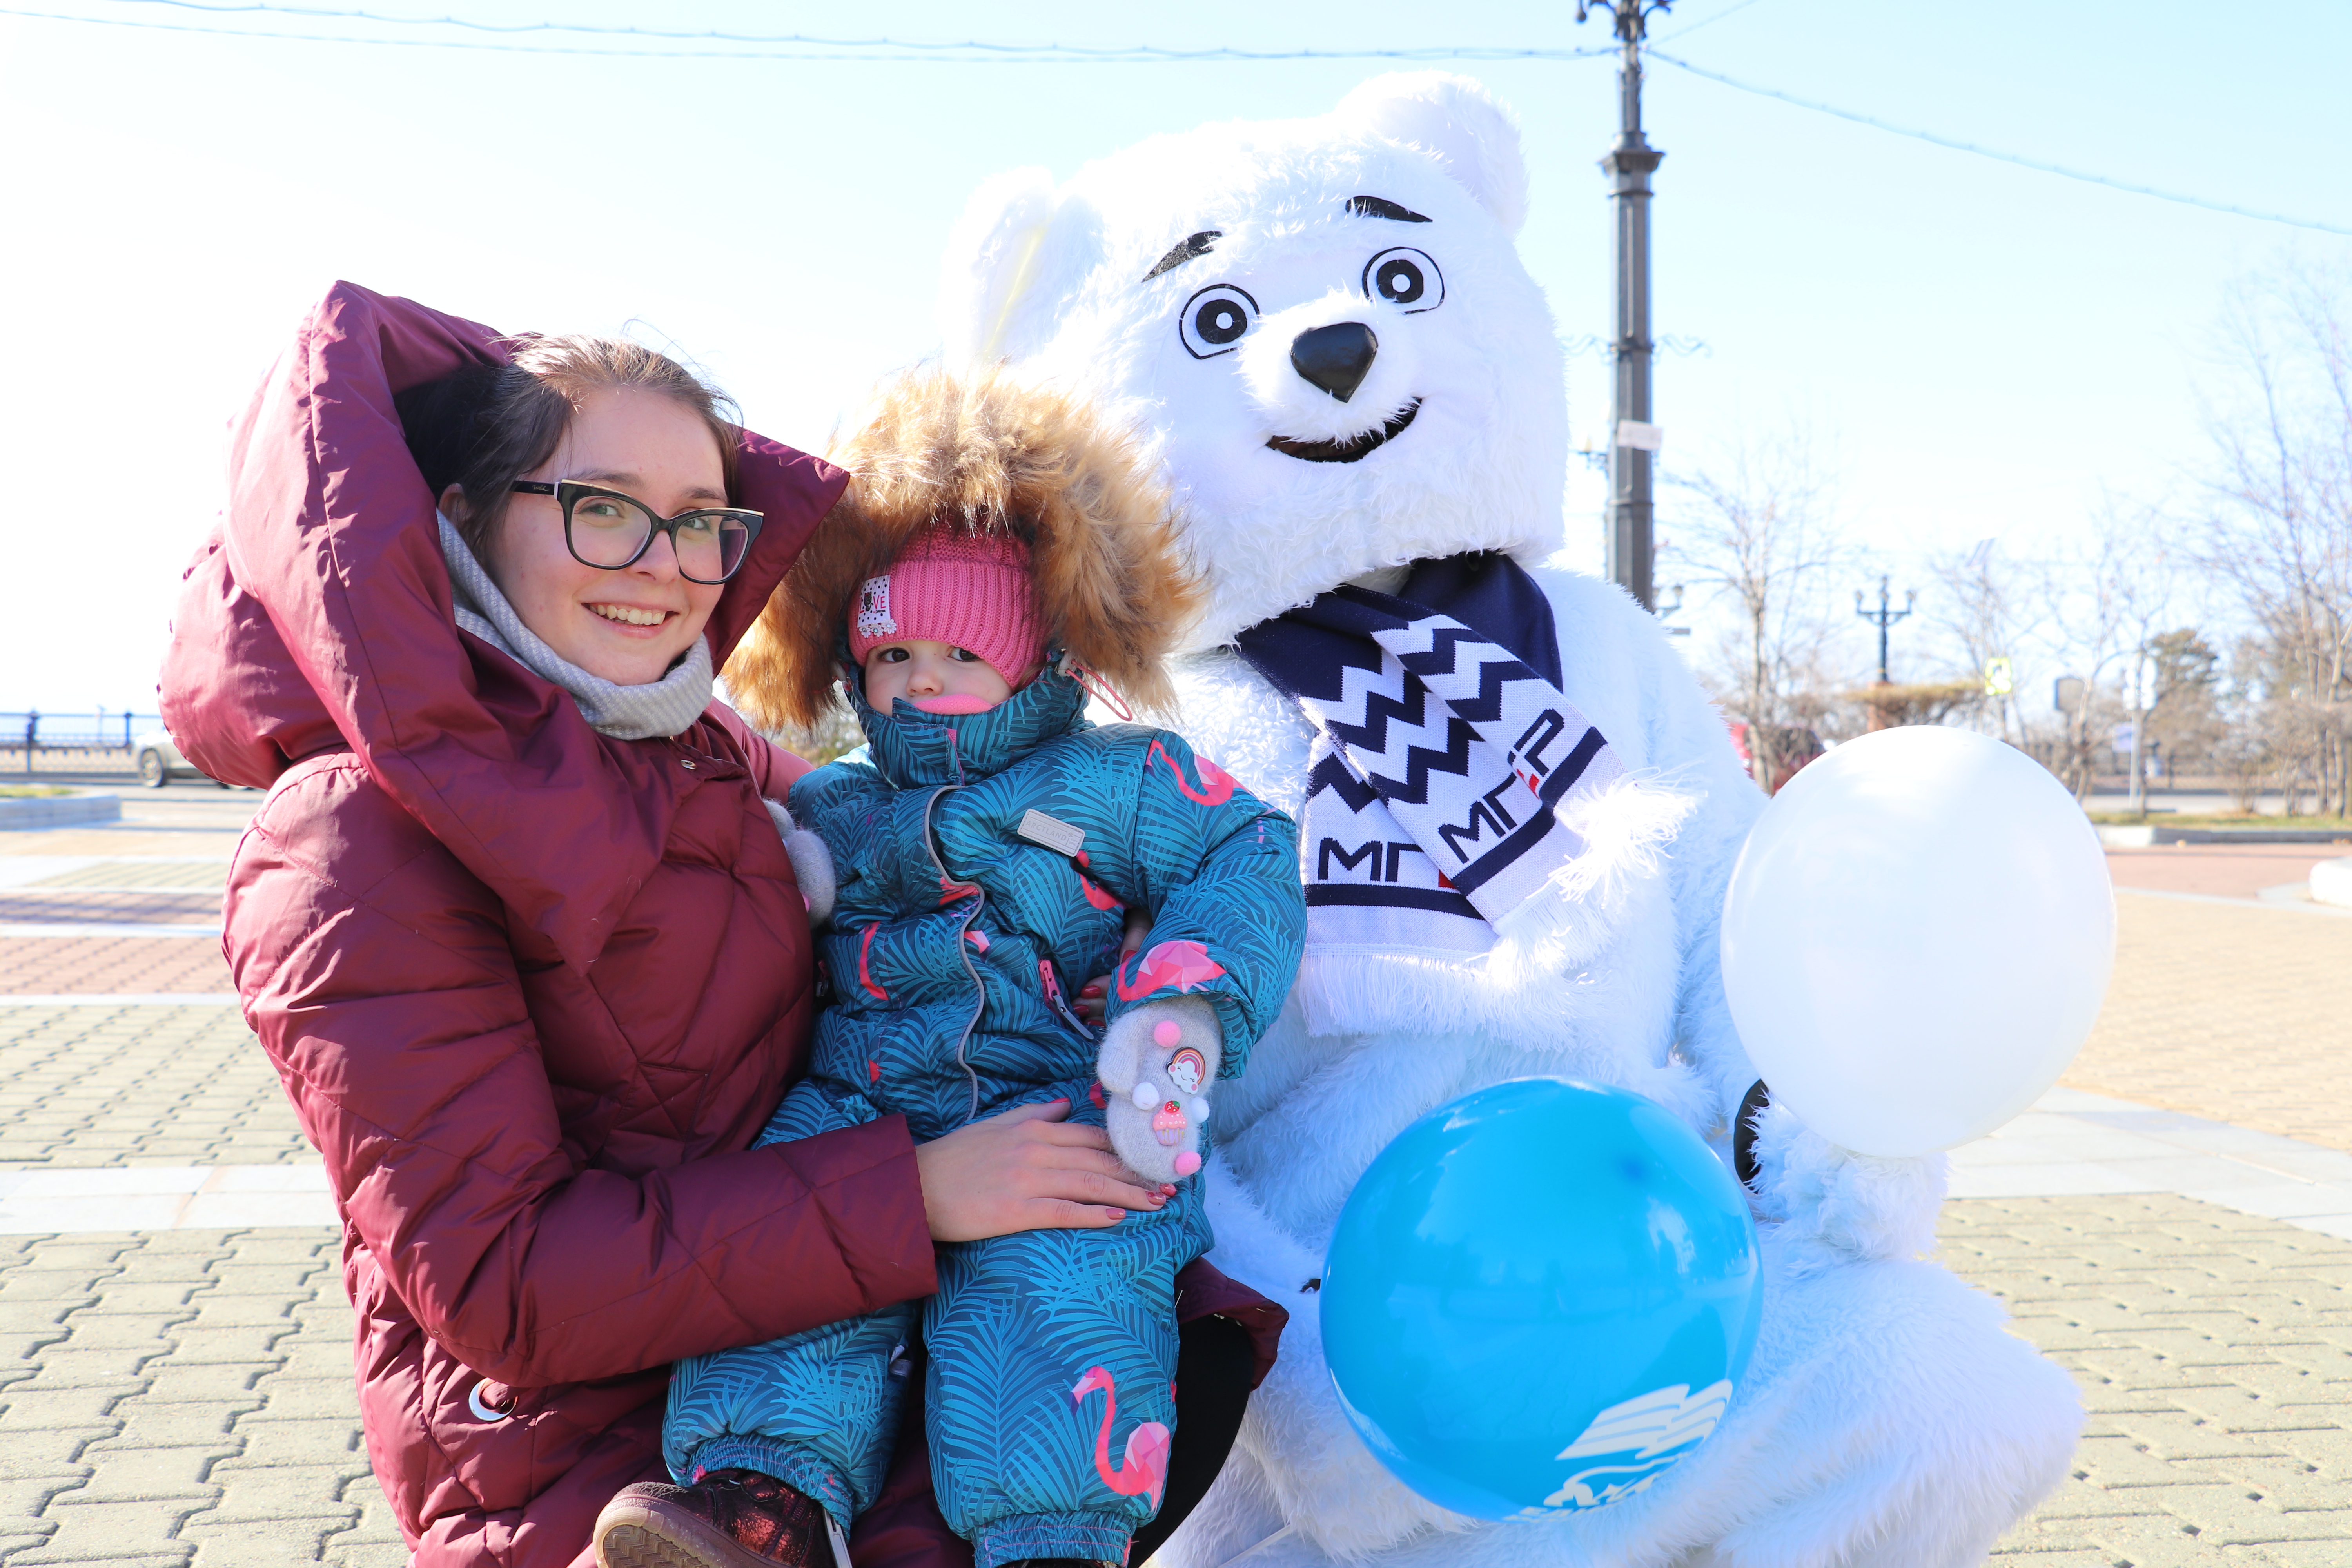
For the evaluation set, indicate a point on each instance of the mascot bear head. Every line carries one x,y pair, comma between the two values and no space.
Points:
1322,325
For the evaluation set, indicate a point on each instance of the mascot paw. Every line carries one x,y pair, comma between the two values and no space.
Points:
1849,1206
1156,1064
812,863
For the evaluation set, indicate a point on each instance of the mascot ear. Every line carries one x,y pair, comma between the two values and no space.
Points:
1456,120
993,260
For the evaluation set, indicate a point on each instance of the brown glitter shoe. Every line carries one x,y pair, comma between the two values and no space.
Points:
728,1519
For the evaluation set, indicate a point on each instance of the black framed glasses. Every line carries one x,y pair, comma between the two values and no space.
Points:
611,530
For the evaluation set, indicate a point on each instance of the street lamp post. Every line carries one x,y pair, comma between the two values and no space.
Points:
1630,164
1883,617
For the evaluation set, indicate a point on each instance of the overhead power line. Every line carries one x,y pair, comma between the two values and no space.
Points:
2018,159
1707,21
972,51
976,52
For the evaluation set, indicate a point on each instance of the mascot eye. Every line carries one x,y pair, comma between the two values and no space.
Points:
1406,277
1215,320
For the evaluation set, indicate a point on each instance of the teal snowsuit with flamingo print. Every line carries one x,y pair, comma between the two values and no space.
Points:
984,864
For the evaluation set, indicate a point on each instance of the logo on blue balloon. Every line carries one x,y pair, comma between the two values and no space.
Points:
1540,1297
1637,1439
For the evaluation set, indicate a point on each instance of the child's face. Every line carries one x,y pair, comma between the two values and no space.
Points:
936,677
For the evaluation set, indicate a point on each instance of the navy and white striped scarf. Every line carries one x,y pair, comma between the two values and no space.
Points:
1444,757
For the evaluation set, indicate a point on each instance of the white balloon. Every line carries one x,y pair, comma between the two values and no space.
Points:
1916,939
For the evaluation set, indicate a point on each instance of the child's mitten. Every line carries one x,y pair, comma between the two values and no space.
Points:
812,863
1157,1064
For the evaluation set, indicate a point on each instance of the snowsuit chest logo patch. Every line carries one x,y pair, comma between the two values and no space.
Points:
1052,833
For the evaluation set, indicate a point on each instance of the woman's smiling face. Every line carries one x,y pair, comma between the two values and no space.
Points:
627,626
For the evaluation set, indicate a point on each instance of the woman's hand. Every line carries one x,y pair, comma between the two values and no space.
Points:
1026,1169
1093,996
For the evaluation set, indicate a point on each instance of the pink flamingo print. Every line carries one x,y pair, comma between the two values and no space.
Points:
1217,786
1183,964
1145,1468
1095,895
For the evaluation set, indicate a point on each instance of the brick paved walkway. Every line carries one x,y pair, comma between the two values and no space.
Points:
2231,870
162,906
131,838
183,1397
172,1397
2214,1352
39,965
181,822
179,1396
2234,1012
140,1086
179,841
201,875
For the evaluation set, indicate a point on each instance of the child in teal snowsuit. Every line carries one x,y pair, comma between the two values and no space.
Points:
986,845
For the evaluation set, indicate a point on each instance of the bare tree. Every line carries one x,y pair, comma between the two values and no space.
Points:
2103,602
1980,612
2279,524
1758,529
2185,714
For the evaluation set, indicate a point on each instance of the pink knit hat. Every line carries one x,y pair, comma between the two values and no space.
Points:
971,592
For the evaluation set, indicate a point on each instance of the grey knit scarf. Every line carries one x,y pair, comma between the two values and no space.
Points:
666,706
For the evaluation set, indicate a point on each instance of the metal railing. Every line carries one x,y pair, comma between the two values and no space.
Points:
106,729
108,733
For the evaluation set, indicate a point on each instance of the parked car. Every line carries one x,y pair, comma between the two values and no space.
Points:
159,761
1792,748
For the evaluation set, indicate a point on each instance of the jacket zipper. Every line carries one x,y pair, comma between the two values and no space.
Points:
963,945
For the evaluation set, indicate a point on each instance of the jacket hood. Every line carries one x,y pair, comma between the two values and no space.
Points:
992,454
913,749
319,616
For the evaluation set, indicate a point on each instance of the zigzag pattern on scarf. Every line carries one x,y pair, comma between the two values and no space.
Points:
1446,757
1331,773
1373,707
1440,660
1419,762
1479,673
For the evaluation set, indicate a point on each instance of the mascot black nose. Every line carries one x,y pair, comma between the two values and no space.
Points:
1335,358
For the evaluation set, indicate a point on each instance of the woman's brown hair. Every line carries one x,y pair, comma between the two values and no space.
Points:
486,426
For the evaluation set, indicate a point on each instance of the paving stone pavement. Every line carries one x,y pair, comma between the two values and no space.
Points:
178,1396
140,1086
159,905
202,876
2231,870
2232,1011
2214,1352
184,823
39,965
135,835
183,1397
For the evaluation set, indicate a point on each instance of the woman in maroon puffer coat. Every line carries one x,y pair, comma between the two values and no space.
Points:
520,934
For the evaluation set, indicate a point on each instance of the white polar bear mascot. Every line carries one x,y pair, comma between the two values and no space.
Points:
1517,813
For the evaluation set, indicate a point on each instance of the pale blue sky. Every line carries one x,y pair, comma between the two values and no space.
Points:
1988,347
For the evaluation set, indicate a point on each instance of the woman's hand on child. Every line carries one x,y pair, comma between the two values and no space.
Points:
1093,996
1026,1169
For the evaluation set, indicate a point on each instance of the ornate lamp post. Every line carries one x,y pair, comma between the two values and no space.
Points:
1634,437
1883,617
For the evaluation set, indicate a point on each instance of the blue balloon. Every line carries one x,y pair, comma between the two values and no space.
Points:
1540,1297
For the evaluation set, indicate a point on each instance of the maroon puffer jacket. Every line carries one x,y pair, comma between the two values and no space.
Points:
532,991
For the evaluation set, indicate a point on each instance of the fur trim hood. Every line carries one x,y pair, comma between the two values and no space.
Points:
990,454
